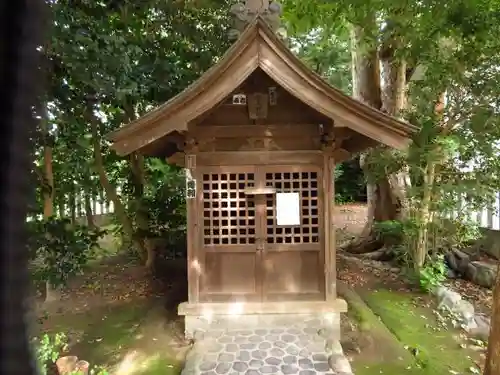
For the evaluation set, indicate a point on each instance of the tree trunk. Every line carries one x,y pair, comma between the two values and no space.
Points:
109,189
141,214
150,253
140,211
48,196
61,209
365,67
424,218
492,365
425,213
88,211
87,200
51,294
386,197
72,204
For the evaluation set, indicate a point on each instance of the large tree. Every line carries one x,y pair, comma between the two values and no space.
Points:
407,58
109,63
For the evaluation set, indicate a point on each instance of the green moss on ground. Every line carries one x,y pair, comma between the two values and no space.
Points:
385,346
118,338
436,350
390,369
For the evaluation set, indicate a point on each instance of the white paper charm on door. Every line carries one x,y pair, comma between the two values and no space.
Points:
288,209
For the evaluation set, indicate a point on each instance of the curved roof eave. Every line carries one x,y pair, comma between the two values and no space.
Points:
258,46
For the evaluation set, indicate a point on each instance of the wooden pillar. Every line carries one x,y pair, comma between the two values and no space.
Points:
193,225
329,225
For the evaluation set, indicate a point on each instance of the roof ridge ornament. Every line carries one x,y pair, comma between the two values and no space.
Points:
244,13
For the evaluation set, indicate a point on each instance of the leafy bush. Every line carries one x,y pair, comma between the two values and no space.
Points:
454,233
389,230
443,234
60,249
350,184
433,274
48,349
166,205
395,234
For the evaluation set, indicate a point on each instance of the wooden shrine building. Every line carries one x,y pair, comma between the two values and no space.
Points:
259,135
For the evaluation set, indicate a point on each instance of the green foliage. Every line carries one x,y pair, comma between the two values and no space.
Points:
62,249
450,233
389,229
48,350
166,205
131,58
455,48
442,235
350,185
398,235
96,370
433,274
115,55
414,325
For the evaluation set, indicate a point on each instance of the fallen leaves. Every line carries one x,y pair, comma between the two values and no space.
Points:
107,284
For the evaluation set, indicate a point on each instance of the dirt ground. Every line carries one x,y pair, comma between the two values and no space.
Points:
120,281
350,220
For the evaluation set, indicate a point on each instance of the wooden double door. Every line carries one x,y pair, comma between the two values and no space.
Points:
245,254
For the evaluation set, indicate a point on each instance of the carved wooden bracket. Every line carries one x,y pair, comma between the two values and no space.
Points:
190,144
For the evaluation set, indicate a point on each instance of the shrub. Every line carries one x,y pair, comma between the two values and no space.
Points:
48,350
61,249
433,274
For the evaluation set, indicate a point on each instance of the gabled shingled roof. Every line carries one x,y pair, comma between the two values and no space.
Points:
259,47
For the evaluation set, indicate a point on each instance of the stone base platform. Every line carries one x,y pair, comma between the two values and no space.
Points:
322,317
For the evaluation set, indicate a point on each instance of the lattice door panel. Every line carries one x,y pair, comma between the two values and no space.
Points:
306,183
228,214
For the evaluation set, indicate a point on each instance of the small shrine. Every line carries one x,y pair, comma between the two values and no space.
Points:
259,135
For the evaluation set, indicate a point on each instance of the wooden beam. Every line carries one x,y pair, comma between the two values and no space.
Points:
359,143
352,146
193,235
179,159
340,155
237,131
250,308
259,157
329,227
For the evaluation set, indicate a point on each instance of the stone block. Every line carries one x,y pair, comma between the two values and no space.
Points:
328,325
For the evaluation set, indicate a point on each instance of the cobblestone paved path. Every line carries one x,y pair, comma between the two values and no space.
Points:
284,351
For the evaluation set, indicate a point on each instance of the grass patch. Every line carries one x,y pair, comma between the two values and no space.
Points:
389,369
436,350
113,337
385,354
159,365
